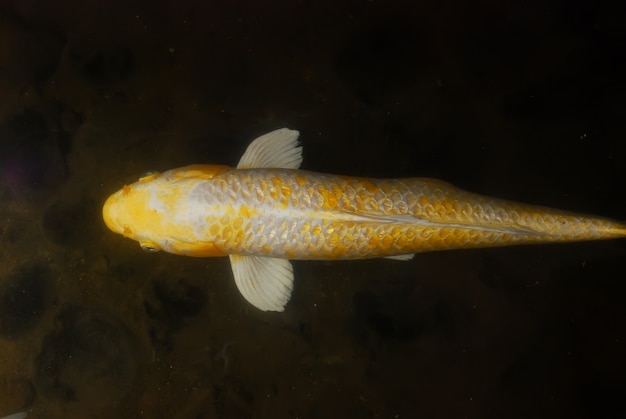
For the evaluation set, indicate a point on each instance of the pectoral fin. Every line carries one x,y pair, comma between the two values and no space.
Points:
277,149
265,282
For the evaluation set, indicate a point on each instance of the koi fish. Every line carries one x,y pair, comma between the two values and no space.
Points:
266,211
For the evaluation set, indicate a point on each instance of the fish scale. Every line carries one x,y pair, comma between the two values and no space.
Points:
306,215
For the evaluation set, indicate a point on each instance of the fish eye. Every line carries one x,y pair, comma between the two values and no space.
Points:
149,248
148,175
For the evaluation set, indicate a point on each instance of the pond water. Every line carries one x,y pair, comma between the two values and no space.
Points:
523,102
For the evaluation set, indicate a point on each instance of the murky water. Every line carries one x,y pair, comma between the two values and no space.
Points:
522,102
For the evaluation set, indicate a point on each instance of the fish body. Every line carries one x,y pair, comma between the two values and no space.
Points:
267,211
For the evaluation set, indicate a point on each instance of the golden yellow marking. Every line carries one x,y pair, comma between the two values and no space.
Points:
214,229
332,201
387,205
305,228
286,190
402,241
246,211
266,249
290,253
360,199
316,230
373,205
329,200
301,180
337,191
347,203
200,171
126,231
226,233
237,222
125,190
339,250
370,186
274,193
225,220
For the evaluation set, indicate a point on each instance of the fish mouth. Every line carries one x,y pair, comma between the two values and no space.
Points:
110,212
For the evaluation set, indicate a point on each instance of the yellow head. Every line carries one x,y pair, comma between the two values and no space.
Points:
148,211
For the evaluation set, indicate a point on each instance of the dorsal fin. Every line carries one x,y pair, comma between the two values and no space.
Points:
277,149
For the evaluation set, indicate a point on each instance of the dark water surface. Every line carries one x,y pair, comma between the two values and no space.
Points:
520,101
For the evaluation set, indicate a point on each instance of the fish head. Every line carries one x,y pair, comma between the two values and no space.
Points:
150,211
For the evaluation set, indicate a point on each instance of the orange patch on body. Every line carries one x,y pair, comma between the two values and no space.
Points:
338,251
301,180
200,250
337,191
370,186
402,241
